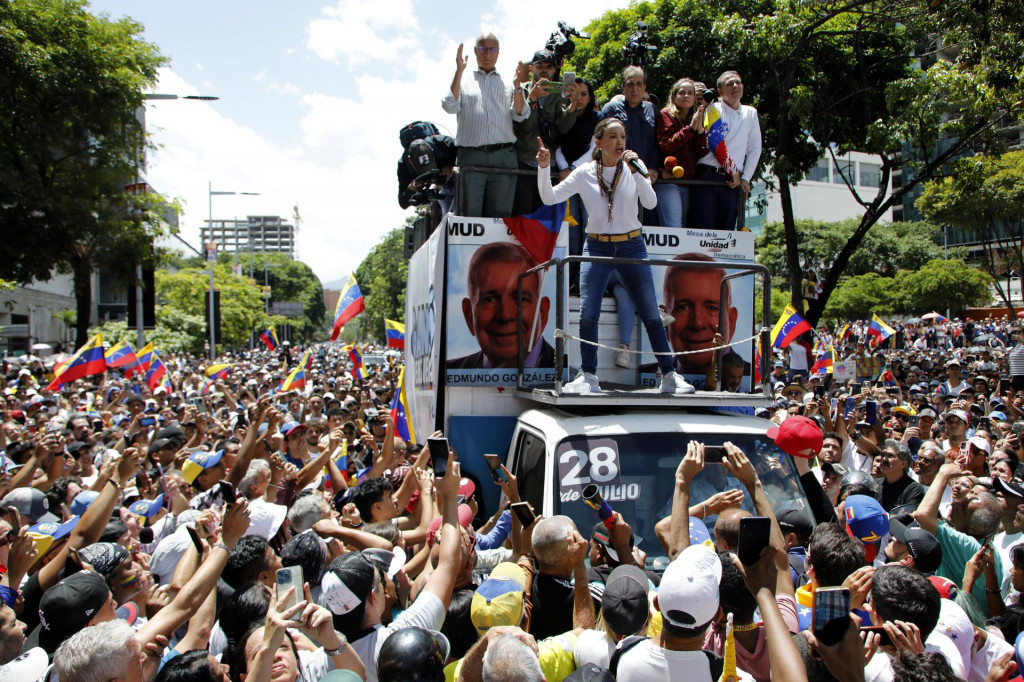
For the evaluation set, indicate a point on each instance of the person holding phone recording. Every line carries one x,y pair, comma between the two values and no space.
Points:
610,188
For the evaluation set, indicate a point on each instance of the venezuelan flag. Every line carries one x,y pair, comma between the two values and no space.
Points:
845,332
146,357
400,412
715,126
207,385
350,304
122,355
87,361
357,363
307,360
879,329
538,231
269,339
396,334
296,379
157,371
218,370
341,461
790,325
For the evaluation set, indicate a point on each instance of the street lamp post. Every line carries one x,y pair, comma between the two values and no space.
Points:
140,338
210,194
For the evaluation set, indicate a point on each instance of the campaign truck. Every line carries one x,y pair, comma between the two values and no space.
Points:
492,336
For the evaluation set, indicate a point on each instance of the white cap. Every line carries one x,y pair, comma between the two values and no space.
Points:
265,518
688,595
28,667
981,444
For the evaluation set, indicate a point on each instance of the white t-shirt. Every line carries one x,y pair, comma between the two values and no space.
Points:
593,646
742,138
1002,543
648,661
426,612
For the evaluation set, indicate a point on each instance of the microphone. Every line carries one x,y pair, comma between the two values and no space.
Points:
638,166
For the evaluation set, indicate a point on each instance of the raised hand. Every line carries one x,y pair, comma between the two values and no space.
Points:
543,154
460,60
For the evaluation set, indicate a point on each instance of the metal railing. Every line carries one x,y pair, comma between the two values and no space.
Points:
734,270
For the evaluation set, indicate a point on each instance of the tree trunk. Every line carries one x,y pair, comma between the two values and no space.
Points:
82,274
792,252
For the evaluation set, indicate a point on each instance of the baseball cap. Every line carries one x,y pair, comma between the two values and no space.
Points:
498,601
82,501
147,509
795,521
946,587
346,584
953,363
959,414
837,469
28,667
105,557
68,606
590,673
797,436
921,544
997,415
927,413
265,518
288,427
624,604
31,504
466,487
465,518
45,535
198,462
1011,487
601,535
307,549
688,594
390,560
981,444
866,521
699,532
544,56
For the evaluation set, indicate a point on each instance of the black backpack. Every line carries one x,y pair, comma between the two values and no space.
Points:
417,130
716,662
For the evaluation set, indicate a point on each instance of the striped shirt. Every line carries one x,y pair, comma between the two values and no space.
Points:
1016,358
485,110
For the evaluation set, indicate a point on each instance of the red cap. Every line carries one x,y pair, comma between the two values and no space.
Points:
465,518
797,436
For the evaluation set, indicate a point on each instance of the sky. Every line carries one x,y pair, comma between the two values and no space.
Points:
311,99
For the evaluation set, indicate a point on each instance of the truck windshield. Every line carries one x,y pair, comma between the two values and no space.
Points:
636,476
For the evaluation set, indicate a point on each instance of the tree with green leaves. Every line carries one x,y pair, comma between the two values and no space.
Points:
941,284
984,197
70,142
887,249
835,76
382,278
857,297
241,306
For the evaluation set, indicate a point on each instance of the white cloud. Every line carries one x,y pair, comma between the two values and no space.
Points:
364,31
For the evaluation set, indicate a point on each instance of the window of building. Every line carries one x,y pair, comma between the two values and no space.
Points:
844,167
819,172
870,174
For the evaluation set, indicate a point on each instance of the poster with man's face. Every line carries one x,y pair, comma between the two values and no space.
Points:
693,298
484,264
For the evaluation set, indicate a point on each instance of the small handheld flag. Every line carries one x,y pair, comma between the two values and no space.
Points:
122,356
878,329
87,361
269,339
146,357
296,379
350,304
396,334
400,413
790,325
218,371
538,231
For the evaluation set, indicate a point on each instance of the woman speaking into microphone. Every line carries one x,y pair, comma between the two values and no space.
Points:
610,188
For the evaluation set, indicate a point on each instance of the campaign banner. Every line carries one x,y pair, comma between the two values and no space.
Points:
693,298
423,308
482,334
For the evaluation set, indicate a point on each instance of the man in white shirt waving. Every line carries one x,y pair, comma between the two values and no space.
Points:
734,143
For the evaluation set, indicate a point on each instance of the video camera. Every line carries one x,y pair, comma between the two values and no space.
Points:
561,42
709,95
636,49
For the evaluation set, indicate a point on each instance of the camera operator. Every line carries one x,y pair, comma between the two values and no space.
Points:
734,142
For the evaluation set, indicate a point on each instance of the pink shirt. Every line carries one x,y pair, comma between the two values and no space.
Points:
755,662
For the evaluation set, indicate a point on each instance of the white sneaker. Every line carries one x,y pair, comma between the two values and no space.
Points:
674,383
666,319
622,356
585,382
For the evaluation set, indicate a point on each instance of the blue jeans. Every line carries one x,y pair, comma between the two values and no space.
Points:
576,236
623,306
673,204
640,284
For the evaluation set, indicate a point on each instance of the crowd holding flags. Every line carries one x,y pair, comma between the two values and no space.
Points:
122,355
156,373
350,304
146,357
295,380
879,330
400,411
790,325
357,363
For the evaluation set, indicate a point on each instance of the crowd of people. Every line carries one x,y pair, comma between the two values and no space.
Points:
249,534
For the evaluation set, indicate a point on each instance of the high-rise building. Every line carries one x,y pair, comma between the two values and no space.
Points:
259,234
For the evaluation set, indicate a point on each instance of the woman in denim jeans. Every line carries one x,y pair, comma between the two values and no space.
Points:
610,189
